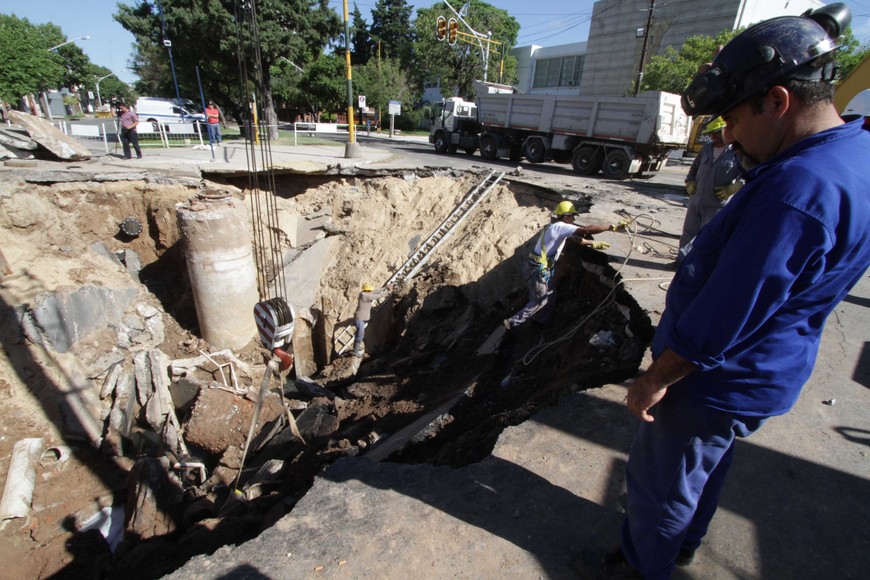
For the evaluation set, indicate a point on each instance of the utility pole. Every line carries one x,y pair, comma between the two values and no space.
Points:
168,44
649,17
352,148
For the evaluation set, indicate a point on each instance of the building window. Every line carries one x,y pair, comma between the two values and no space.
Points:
563,71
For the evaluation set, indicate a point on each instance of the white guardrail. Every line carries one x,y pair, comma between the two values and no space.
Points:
164,135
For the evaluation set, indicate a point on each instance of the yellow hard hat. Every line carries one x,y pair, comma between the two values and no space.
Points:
714,125
367,287
564,208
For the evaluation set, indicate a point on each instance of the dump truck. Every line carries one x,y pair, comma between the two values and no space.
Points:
619,136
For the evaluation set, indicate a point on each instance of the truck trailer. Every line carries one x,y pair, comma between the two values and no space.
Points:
619,136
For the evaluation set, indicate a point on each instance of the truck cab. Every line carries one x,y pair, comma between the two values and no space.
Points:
454,126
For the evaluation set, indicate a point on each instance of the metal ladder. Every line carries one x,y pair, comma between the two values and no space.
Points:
420,256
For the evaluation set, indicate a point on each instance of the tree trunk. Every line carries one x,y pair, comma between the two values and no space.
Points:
270,115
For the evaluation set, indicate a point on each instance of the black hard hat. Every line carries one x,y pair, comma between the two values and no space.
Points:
787,47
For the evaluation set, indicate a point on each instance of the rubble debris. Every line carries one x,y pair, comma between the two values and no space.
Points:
63,147
154,497
20,479
317,423
60,319
219,420
17,140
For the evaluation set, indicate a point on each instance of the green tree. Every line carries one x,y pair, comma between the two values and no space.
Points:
851,54
324,85
111,87
211,35
672,71
382,81
360,38
391,32
459,65
26,64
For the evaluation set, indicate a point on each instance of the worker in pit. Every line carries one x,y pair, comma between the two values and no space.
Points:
713,178
364,312
542,260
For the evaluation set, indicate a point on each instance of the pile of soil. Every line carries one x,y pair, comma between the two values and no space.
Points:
424,359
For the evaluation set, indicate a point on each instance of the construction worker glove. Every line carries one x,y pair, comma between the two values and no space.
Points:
620,225
600,245
723,192
691,187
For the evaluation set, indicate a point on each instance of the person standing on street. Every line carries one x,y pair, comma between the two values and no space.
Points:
744,314
129,134
713,178
542,260
364,312
213,118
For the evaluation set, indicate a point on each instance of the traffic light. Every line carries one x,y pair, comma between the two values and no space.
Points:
452,31
441,28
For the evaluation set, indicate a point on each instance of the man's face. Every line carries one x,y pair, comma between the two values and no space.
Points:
717,139
750,133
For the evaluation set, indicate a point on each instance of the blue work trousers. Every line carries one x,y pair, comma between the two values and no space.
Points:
676,471
214,132
360,334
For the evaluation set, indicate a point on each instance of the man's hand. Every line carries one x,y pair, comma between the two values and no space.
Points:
723,192
691,187
600,245
649,388
643,393
620,225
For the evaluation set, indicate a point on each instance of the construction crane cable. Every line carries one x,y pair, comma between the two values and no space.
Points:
258,155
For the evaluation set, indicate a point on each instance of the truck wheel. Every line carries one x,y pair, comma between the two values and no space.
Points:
488,148
440,142
587,160
154,125
616,164
535,151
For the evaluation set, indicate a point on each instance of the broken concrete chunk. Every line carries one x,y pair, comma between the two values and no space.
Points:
153,498
111,378
317,423
44,133
220,419
142,372
17,140
65,317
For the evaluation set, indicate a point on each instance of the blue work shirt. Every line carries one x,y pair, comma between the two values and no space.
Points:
748,304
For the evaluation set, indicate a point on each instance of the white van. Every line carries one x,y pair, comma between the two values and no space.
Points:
155,110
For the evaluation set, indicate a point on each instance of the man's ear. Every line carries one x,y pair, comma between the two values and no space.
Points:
780,100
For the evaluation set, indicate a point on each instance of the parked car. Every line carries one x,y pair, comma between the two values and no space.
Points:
156,111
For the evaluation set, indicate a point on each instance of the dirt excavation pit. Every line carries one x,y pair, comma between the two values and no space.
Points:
143,423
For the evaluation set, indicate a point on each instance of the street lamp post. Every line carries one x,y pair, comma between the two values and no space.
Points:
99,100
293,64
52,49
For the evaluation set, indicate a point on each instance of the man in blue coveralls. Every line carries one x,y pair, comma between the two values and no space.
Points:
745,311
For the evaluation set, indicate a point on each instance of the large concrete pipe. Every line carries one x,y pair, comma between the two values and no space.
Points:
220,263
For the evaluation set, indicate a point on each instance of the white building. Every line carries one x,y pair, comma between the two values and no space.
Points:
608,63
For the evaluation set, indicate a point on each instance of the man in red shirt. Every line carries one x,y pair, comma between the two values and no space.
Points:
214,123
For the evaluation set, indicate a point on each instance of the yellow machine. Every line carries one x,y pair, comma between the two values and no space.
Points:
697,138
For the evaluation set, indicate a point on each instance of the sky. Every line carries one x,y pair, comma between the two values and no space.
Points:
543,22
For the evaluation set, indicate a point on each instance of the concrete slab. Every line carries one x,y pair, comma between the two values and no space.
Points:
302,275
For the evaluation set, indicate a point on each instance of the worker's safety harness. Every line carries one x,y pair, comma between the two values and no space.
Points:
541,266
